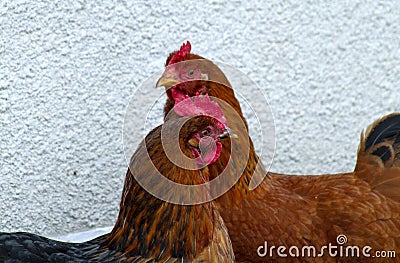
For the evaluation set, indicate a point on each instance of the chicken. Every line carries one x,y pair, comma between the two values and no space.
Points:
363,206
149,229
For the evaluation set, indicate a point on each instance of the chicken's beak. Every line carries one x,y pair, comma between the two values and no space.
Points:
228,133
167,81
194,143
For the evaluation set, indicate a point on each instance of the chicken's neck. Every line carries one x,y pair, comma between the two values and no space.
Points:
154,228
238,170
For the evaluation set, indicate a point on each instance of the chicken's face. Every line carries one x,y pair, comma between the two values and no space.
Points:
202,137
177,77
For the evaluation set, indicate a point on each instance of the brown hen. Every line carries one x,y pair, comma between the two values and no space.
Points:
148,229
287,210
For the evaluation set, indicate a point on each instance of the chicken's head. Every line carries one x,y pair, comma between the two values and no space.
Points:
182,68
203,132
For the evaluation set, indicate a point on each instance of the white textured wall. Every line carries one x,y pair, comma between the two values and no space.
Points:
67,69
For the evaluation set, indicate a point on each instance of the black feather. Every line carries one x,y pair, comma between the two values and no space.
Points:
25,247
397,139
383,153
387,128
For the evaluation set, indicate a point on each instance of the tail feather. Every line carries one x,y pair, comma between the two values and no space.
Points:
382,139
383,129
384,152
396,148
378,160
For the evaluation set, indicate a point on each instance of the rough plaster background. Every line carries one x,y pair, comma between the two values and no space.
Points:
68,68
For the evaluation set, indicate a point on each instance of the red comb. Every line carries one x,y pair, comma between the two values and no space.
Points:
199,106
181,53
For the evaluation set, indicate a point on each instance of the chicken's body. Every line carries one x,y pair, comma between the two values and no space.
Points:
311,211
287,210
147,229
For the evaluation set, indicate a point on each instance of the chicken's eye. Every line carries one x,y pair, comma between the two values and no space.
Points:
205,133
191,73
